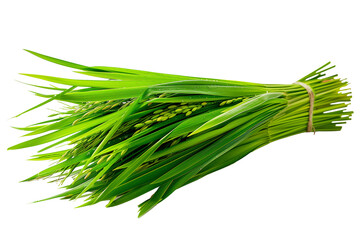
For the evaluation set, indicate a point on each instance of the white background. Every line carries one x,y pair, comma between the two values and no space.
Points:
303,187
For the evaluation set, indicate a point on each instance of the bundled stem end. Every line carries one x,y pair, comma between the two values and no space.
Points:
136,131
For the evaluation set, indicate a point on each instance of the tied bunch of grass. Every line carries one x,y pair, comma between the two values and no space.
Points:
136,131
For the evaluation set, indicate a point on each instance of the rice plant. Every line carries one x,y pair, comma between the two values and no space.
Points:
134,131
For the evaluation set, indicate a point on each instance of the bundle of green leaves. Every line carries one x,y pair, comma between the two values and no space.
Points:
136,131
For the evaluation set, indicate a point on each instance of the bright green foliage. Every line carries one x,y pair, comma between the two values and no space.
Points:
136,131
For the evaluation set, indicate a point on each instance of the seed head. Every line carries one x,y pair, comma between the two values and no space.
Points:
76,121
109,157
101,159
106,107
172,115
139,125
116,104
87,175
158,111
